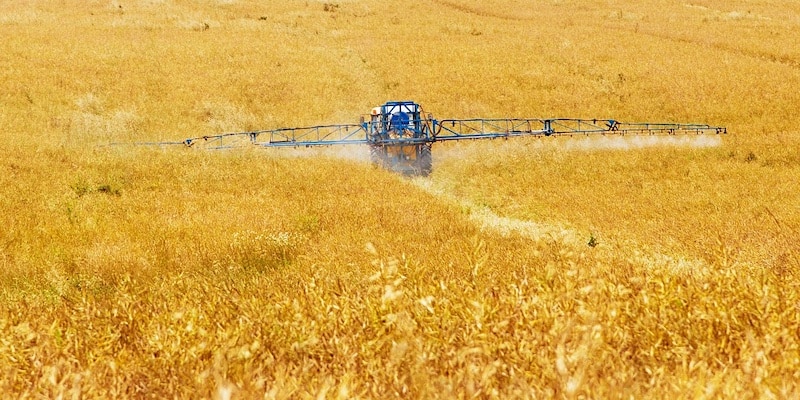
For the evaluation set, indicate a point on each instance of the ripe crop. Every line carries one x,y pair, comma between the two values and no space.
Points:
540,267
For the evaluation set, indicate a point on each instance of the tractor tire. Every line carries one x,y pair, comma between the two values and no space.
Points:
425,160
376,156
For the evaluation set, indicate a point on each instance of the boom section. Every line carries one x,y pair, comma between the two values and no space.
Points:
321,135
460,129
477,128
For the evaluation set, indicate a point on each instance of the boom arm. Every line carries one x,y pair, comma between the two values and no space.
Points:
322,135
447,130
458,129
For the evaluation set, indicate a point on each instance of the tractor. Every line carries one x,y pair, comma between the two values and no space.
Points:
400,135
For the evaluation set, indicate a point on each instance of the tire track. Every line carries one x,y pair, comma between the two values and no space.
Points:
730,49
488,221
479,12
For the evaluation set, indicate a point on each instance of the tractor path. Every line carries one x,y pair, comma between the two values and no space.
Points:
490,222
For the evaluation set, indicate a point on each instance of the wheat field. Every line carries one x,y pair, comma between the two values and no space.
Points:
570,268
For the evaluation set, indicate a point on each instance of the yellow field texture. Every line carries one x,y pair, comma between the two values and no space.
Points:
571,267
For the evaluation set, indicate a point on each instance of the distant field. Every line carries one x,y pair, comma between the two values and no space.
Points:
534,268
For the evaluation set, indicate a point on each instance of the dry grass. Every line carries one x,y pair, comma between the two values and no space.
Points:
146,272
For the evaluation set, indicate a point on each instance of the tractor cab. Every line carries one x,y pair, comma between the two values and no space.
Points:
397,120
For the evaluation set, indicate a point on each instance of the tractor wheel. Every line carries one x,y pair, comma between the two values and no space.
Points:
425,160
376,156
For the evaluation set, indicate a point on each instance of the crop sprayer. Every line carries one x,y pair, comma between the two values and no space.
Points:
400,135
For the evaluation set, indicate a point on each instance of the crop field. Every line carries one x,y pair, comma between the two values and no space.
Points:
558,267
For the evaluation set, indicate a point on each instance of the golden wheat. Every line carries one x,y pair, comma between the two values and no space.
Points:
554,267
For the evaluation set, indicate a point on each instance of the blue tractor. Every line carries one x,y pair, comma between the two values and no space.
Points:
400,138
